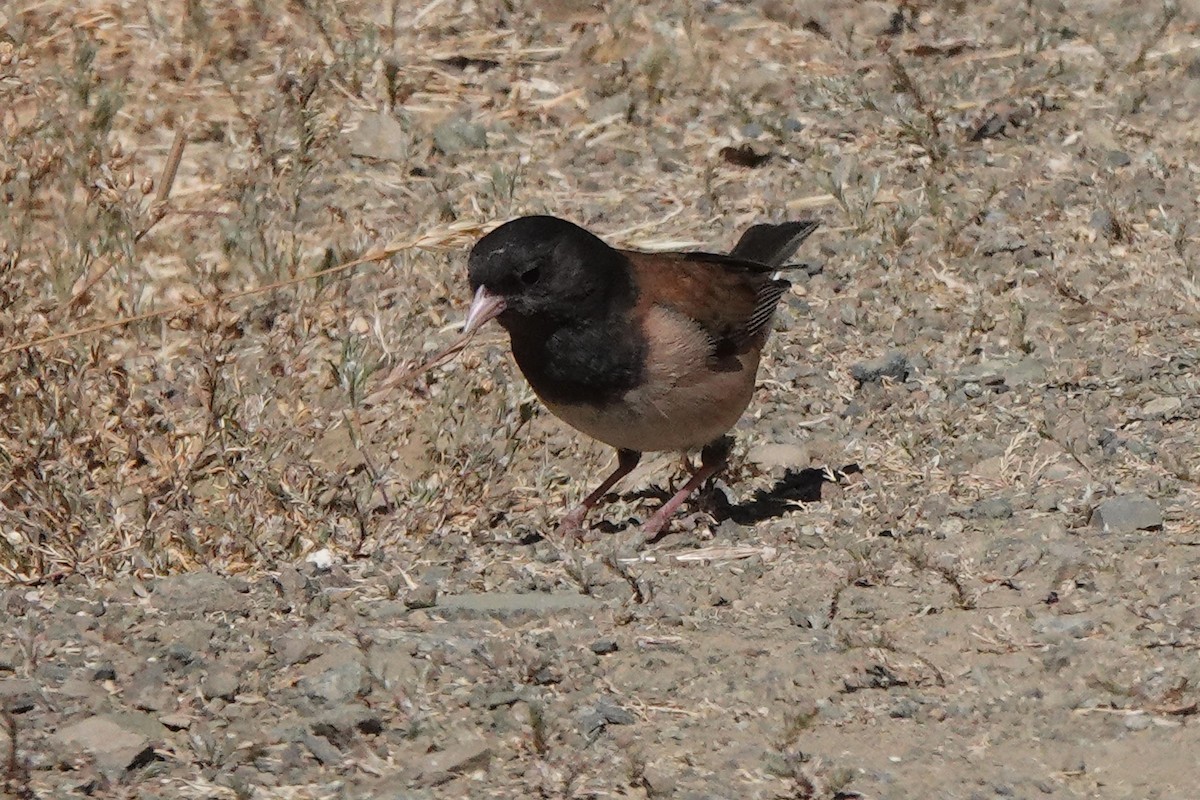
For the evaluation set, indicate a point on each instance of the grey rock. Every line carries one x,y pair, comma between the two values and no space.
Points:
904,708
457,134
336,677
179,656
443,766
1162,407
422,597
149,689
1002,242
1117,158
1007,372
606,107
991,508
322,750
220,683
18,695
197,593
379,136
506,605
296,648
499,699
1075,626
341,725
894,365
1126,514
602,714
604,646
1138,722
658,781
117,742
394,666
1105,224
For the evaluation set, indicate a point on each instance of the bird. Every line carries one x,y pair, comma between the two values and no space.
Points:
643,351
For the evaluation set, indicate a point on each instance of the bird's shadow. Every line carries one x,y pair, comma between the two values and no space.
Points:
793,489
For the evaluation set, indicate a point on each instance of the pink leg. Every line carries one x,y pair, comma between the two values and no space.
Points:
712,460
572,522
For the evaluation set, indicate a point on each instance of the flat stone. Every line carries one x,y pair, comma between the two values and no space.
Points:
443,766
379,136
197,593
1074,626
457,134
991,508
1126,514
394,666
322,750
117,742
771,454
296,648
18,695
150,689
336,677
1162,407
510,604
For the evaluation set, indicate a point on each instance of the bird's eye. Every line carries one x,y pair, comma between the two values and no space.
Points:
530,276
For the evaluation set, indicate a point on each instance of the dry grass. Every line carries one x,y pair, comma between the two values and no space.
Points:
237,426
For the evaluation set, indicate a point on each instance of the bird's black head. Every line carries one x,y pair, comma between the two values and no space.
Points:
541,267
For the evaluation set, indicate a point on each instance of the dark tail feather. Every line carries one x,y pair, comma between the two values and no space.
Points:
771,245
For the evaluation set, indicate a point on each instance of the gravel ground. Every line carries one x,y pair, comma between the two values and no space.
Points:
958,552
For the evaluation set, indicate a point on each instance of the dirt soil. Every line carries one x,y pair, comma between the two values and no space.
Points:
247,555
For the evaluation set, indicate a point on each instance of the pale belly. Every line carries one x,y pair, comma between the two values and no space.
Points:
683,404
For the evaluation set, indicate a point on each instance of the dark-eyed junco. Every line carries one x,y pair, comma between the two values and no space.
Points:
642,351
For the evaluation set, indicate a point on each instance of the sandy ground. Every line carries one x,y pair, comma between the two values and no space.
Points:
957,554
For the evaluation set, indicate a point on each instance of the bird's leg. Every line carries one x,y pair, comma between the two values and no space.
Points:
571,523
713,459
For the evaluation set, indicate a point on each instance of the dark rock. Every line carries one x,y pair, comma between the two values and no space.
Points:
604,646
341,725
602,714
422,597
894,365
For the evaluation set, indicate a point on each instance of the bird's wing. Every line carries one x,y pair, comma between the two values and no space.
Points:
730,299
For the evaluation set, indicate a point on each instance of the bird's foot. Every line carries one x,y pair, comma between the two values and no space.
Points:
571,525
